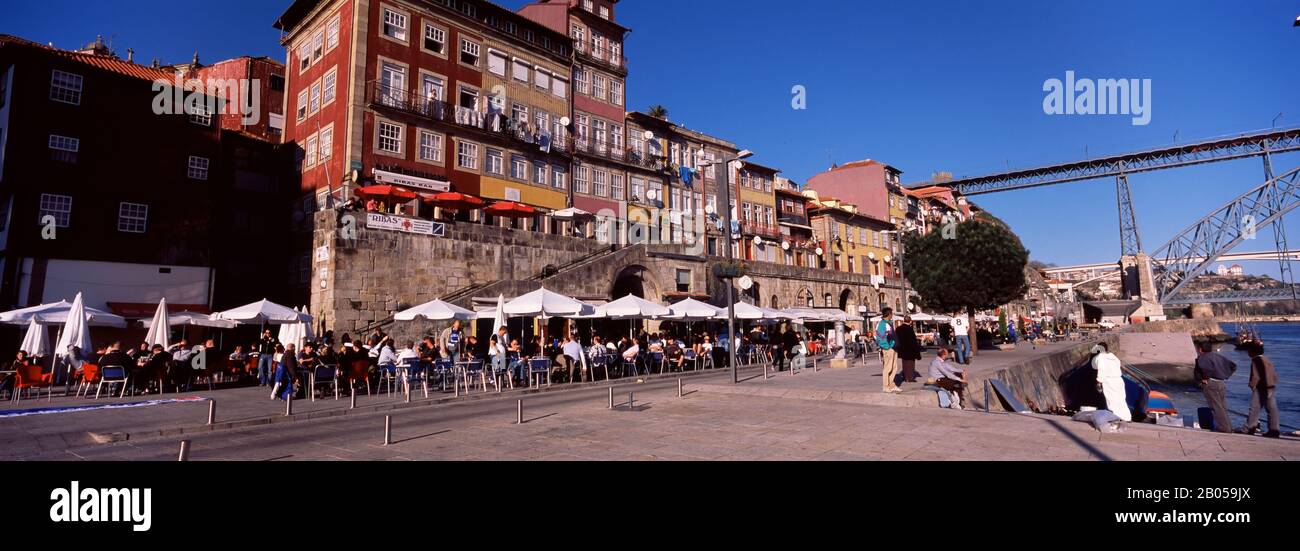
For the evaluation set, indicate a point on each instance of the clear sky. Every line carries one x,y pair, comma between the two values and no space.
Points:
923,86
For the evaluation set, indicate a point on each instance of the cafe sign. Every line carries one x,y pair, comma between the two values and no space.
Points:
377,221
393,178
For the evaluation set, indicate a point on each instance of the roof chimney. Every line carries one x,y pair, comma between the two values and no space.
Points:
130,55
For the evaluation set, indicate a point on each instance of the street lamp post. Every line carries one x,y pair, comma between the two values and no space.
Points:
724,197
898,234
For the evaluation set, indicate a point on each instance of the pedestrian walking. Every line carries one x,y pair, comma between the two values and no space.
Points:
961,334
908,348
1263,387
1213,371
887,340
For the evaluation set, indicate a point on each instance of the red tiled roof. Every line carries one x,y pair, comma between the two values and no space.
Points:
106,63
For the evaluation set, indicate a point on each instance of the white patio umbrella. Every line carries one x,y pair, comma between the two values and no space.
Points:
545,303
263,312
37,340
56,313
196,319
436,311
571,214
634,307
744,311
692,310
76,331
159,330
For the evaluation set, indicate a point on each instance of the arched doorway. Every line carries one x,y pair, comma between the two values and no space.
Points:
635,280
776,303
847,301
806,298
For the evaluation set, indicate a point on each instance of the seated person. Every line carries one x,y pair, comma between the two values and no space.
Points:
20,361
238,355
630,354
411,352
943,375
674,356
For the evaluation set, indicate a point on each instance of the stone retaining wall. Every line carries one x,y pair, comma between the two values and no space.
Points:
1038,380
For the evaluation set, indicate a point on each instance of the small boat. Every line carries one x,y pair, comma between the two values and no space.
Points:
1159,402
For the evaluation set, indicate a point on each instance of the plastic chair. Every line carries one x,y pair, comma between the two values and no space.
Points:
656,358
112,375
445,369
693,358
388,376
30,377
503,373
325,375
89,375
414,370
539,367
474,368
359,371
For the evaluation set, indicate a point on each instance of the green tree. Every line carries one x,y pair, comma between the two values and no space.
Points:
983,267
658,112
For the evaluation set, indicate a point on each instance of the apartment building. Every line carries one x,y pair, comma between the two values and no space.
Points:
754,185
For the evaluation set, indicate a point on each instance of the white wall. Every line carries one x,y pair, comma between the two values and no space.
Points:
104,282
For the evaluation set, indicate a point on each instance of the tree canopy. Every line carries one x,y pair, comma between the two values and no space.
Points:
982,268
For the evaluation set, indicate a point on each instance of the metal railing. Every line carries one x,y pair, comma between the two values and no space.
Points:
499,124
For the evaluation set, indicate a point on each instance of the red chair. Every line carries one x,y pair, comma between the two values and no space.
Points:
30,377
90,375
359,371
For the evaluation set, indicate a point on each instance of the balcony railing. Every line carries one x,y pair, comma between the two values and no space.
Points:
764,230
498,124
789,218
602,56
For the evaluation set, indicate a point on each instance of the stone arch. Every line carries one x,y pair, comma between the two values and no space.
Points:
776,303
848,301
805,299
636,280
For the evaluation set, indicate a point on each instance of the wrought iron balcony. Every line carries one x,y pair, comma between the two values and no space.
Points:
495,124
603,57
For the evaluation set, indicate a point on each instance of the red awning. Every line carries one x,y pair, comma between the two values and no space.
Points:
386,192
457,201
507,209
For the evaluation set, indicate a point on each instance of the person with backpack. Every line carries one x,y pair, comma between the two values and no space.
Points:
452,342
886,339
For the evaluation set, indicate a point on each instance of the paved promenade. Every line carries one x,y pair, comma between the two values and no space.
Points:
764,420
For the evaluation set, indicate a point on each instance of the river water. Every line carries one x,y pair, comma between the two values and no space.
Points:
1282,345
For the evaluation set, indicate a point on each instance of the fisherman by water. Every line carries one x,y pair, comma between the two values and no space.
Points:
1263,387
1110,381
1213,371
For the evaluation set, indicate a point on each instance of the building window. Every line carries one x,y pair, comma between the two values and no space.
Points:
431,146
539,173
317,46
315,98
616,187
578,36
332,33
58,206
198,168
542,79
390,138
497,63
560,86
65,88
304,56
327,143
828,300
683,281
132,217
394,25
469,52
520,71
580,176
495,162
616,92
580,78
638,188
598,86
64,149
559,178
302,105
599,183
518,167
467,155
309,156
199,115
330,86
435,39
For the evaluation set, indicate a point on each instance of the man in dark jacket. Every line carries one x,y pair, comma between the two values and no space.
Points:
266,358
786,342
908,348
1213,371
1263,387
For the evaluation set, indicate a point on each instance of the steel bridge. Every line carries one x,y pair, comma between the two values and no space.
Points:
1196,248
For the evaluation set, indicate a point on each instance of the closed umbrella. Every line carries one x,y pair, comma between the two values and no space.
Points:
76,333
37,340
306,330
159,328
499,317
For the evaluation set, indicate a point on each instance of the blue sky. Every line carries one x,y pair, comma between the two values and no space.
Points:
923,86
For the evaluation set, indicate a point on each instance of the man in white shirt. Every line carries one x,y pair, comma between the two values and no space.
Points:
1110,380
408,353
961,334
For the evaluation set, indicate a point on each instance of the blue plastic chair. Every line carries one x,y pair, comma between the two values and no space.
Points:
539,367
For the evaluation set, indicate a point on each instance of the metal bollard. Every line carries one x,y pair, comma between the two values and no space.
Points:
679,388
354,399
988,406
631,401
212,412
764,372
520,418
288,405
185,451
611,397
388,430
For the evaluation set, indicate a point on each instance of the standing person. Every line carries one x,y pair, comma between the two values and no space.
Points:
451,341
961,333
286,374
266,358
572,355
1110,381
1263,387
908,349
887,340
1213,371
